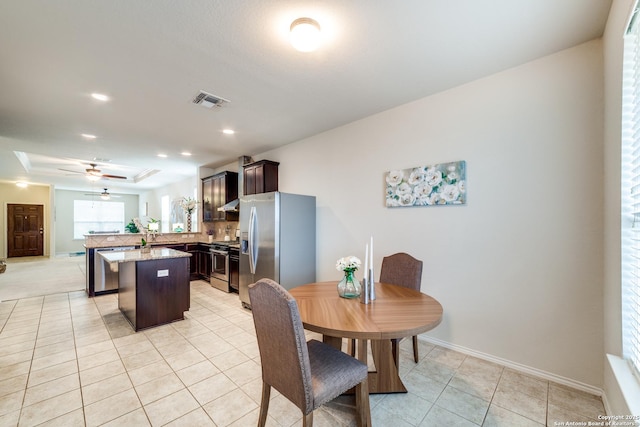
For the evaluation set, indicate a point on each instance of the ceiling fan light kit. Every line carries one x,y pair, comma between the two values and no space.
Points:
104,195
94,174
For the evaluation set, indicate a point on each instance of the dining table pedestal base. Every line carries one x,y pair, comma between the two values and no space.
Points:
385,378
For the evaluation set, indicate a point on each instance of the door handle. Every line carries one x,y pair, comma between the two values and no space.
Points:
253,251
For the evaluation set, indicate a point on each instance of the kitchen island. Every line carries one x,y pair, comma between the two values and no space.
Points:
94,243
153,287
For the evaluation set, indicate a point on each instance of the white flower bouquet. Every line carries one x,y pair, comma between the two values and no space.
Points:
188,204
349,263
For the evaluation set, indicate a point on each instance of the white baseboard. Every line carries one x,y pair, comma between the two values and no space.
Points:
517,366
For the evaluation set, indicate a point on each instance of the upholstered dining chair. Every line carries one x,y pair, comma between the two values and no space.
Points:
403,270
309,374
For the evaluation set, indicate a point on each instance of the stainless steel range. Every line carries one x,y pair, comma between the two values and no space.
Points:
219,278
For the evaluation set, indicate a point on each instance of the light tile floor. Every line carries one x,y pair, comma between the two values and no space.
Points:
69,360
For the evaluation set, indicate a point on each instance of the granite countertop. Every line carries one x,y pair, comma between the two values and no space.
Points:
229,243
138,255
134,239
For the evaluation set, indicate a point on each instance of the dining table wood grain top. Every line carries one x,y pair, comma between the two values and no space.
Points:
396,312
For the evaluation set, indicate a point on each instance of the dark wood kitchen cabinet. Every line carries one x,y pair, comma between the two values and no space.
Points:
217,191
260,177
192,248
200,268
204,264
207,206
148,298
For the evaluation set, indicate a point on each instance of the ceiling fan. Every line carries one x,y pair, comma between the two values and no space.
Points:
94,174
105,195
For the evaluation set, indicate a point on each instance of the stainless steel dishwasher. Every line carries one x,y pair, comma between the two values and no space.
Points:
106,274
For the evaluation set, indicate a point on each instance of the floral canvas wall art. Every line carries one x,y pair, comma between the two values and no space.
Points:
442,184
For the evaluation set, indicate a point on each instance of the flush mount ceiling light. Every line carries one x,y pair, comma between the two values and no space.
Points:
88,136
228,131
305,34
100,97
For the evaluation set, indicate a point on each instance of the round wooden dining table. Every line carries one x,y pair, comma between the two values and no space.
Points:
396,312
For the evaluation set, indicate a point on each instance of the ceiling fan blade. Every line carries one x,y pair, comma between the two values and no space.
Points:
67,170
104,175
114,196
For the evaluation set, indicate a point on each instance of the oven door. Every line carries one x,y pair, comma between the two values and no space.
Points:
219,278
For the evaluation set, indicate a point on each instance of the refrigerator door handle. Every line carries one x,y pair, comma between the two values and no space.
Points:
253,249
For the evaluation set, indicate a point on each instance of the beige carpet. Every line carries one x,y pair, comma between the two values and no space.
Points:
36,276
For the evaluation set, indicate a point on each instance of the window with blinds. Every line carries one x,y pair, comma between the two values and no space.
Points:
97,217
631,197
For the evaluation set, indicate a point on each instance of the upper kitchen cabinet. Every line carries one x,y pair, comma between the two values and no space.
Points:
207,207
217,191
260,177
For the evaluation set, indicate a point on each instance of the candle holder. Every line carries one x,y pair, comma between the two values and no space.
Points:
372,286
364,296
369,285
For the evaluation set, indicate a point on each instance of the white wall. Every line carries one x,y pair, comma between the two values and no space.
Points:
519,269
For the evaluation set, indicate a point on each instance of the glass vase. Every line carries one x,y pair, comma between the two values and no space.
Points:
349,287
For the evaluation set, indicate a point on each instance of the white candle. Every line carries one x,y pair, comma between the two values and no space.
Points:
371,253
366,261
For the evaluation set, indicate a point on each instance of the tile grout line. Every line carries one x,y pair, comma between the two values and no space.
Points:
33,353
75,347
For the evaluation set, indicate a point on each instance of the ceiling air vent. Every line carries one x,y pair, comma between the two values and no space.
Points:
207,100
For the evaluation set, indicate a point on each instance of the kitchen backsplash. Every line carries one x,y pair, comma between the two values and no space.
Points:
220,229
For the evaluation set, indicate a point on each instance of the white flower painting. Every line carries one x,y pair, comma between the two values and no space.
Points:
443,184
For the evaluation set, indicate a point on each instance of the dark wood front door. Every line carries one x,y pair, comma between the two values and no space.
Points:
25,233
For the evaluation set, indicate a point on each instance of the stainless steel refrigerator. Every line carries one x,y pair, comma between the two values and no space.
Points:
277,240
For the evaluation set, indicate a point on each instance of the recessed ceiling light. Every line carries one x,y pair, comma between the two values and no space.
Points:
162,155
228,131
99,97
185,153
88,136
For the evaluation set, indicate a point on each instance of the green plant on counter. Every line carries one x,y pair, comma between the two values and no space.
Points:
143,243
131,227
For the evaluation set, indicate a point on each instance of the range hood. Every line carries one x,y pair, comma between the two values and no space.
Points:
232,206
